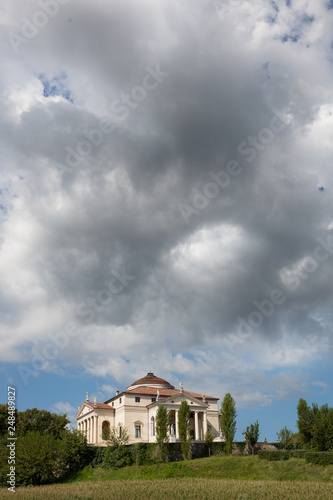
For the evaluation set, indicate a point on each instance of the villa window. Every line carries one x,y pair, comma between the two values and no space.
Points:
138,431
137,399
153,400
120,401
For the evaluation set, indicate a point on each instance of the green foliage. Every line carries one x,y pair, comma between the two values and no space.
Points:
272,455
305,421
44,458
184,427
116,437
319,458
209,438
218,448
34,420
241,446
315,425
38,460
297,453
162,435
4,419
138,454
285,437
118,457
4,466
142,453
228,421
251,435
74,451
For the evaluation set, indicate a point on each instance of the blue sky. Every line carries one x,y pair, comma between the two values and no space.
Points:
166,202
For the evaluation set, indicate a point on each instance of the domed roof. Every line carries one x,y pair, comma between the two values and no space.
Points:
150,381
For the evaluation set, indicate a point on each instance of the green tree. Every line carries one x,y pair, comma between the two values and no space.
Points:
209,438
41,421
315,425
116,437
251,435
74,451
305,421
162,435
184,426
228,421
285,437
322,430
38,459
4,419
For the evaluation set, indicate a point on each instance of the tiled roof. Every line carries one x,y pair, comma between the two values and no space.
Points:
150,378
99,405
152,391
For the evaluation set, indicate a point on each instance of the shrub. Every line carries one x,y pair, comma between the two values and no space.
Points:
98,456
273,455
297,453
142,453
319,457
218,448
115,458
241,446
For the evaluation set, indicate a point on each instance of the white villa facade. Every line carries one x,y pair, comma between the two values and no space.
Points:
135,409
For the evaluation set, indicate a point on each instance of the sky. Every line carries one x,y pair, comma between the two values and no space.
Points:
166,201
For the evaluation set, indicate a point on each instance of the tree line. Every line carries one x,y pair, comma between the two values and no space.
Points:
46,449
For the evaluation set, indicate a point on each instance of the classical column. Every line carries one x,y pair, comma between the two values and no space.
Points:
205,422
96,429
196,426
92,429
176,422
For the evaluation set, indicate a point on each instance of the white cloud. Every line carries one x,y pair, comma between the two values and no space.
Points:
62,236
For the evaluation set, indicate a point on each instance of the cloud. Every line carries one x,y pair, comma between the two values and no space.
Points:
64,234
64,407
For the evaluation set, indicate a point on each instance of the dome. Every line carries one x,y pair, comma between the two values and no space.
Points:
150,381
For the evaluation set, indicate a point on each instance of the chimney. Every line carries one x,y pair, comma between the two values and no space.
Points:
95,403
117,393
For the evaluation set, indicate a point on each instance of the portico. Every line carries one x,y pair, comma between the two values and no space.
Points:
198,419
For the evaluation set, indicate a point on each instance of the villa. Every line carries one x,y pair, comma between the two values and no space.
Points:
135,409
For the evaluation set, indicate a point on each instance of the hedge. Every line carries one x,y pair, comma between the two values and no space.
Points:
273,455
139,454
319,457
297,453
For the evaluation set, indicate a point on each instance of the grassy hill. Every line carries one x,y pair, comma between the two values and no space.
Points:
205,478
217,468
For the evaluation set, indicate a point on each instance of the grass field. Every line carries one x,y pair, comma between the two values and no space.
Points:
206,478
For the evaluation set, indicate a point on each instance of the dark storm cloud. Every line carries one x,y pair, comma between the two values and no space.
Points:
119,208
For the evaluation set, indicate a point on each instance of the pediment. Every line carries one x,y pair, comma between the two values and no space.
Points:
83,410
178,398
